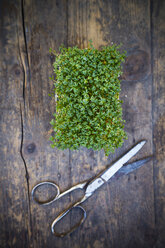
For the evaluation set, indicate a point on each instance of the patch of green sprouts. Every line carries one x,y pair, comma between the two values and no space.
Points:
88,109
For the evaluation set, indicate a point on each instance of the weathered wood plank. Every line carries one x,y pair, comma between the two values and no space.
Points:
15,228
158,43
45,25
121,214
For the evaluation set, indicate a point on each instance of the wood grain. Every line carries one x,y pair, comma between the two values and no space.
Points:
14,205
128,212
45,26
158,44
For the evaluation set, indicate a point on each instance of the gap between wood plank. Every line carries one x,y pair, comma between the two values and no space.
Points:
26,70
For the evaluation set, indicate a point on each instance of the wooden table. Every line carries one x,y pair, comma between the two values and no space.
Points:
129,212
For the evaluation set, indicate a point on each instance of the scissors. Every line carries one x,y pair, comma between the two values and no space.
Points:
90,186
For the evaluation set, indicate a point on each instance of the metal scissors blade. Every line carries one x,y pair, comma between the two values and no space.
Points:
124,159
108,173
128,168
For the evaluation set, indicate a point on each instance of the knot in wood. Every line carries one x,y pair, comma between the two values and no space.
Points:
30,148
136,66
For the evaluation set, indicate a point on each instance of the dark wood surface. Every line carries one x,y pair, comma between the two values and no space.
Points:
128,212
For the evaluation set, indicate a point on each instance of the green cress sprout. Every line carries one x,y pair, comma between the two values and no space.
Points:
88,109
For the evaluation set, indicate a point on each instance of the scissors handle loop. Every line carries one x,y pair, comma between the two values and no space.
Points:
48,201
63,214
58,195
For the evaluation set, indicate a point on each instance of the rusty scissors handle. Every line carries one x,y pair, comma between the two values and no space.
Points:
57,197
64,213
